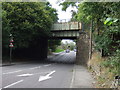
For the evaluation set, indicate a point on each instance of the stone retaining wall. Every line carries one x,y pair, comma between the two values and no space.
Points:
82,55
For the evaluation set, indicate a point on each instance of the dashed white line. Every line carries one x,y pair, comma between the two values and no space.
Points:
47,65
12,72
13,84
35,67
20,70
25,75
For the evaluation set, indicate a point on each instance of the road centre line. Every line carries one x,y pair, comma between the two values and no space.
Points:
20,70
12,72
35,67
47,65
13,84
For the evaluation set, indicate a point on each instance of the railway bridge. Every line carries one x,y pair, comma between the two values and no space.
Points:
66,30
73,30
63,30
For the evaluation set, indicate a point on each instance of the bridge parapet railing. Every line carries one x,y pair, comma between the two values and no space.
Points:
67,26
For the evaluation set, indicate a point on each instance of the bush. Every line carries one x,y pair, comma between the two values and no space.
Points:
113,63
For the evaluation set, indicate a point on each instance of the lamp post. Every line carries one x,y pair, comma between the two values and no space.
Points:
11,46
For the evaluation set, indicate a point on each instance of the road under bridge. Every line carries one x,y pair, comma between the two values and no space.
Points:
63,30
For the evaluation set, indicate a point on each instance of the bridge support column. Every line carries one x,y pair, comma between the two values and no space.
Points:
82,49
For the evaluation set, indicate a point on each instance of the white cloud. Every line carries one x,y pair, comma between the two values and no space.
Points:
62,15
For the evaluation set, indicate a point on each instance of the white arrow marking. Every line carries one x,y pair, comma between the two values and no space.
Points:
50,73
42,78
25,75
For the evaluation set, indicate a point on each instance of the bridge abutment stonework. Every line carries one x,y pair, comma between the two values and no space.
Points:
82,55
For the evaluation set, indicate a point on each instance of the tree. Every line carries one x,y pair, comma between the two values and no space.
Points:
106,36
53,44
27,21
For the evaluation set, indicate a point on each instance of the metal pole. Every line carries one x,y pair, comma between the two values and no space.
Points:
11,40
10,55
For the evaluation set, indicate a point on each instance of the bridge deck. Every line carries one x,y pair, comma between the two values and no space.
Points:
66,26
66,30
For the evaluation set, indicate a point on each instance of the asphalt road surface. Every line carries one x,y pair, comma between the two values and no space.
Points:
56,72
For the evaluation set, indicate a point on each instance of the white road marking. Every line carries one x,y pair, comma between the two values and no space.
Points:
25,75
21,70
71,85
35,67
42,78
12,72
50,73
47,65
13,84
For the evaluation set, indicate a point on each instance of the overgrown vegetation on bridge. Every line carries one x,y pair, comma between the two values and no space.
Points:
104,18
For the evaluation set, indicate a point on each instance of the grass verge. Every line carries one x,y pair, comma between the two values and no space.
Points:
104,69
59,50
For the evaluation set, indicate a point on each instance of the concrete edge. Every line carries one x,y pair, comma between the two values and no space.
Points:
73,77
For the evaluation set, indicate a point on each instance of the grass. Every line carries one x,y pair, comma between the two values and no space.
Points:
59,50
108,67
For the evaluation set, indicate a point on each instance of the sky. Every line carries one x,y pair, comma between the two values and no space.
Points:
62,15
69,41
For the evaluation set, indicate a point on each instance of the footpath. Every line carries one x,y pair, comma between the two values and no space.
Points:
81,78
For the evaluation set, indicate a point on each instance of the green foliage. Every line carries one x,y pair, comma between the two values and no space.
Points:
109,39
103,42
59,50
52,44
69,45
110,21
27,21
67,4
106,24
113,63
105,18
